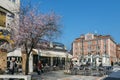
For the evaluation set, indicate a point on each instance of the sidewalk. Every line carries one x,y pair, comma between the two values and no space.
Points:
59,75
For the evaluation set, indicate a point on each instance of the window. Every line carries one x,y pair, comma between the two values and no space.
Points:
104,44
2,19
89,36
89,54
89,46
89,43
79,44
11,15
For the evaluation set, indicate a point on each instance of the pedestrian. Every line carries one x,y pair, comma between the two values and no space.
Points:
46,68
71,65
39,67
111,63
12,66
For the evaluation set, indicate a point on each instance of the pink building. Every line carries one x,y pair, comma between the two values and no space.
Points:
118,53
92,44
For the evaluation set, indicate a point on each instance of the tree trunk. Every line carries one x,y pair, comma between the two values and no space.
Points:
27,64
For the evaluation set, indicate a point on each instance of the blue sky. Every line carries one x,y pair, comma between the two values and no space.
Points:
84,16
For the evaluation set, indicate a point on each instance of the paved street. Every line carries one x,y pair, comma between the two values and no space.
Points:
115,75
59,75
53,75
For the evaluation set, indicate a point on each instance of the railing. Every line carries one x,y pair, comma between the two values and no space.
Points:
99,71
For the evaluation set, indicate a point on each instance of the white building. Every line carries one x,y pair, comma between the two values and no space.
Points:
56,55
50,57
9,10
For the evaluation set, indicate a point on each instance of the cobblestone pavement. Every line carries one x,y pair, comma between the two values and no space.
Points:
59,75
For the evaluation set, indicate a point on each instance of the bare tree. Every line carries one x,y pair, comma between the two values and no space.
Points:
34,26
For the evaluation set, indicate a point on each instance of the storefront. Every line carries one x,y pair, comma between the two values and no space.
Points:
50,57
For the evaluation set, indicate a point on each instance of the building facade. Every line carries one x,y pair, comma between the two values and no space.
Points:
118,53
99,48
55,54
9,10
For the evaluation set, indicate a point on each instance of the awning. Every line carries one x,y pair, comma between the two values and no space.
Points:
69,55
49,53
15,53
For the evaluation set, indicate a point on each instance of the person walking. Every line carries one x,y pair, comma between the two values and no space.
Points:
12,66
39,67
71,65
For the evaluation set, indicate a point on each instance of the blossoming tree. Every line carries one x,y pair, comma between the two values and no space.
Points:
34,26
